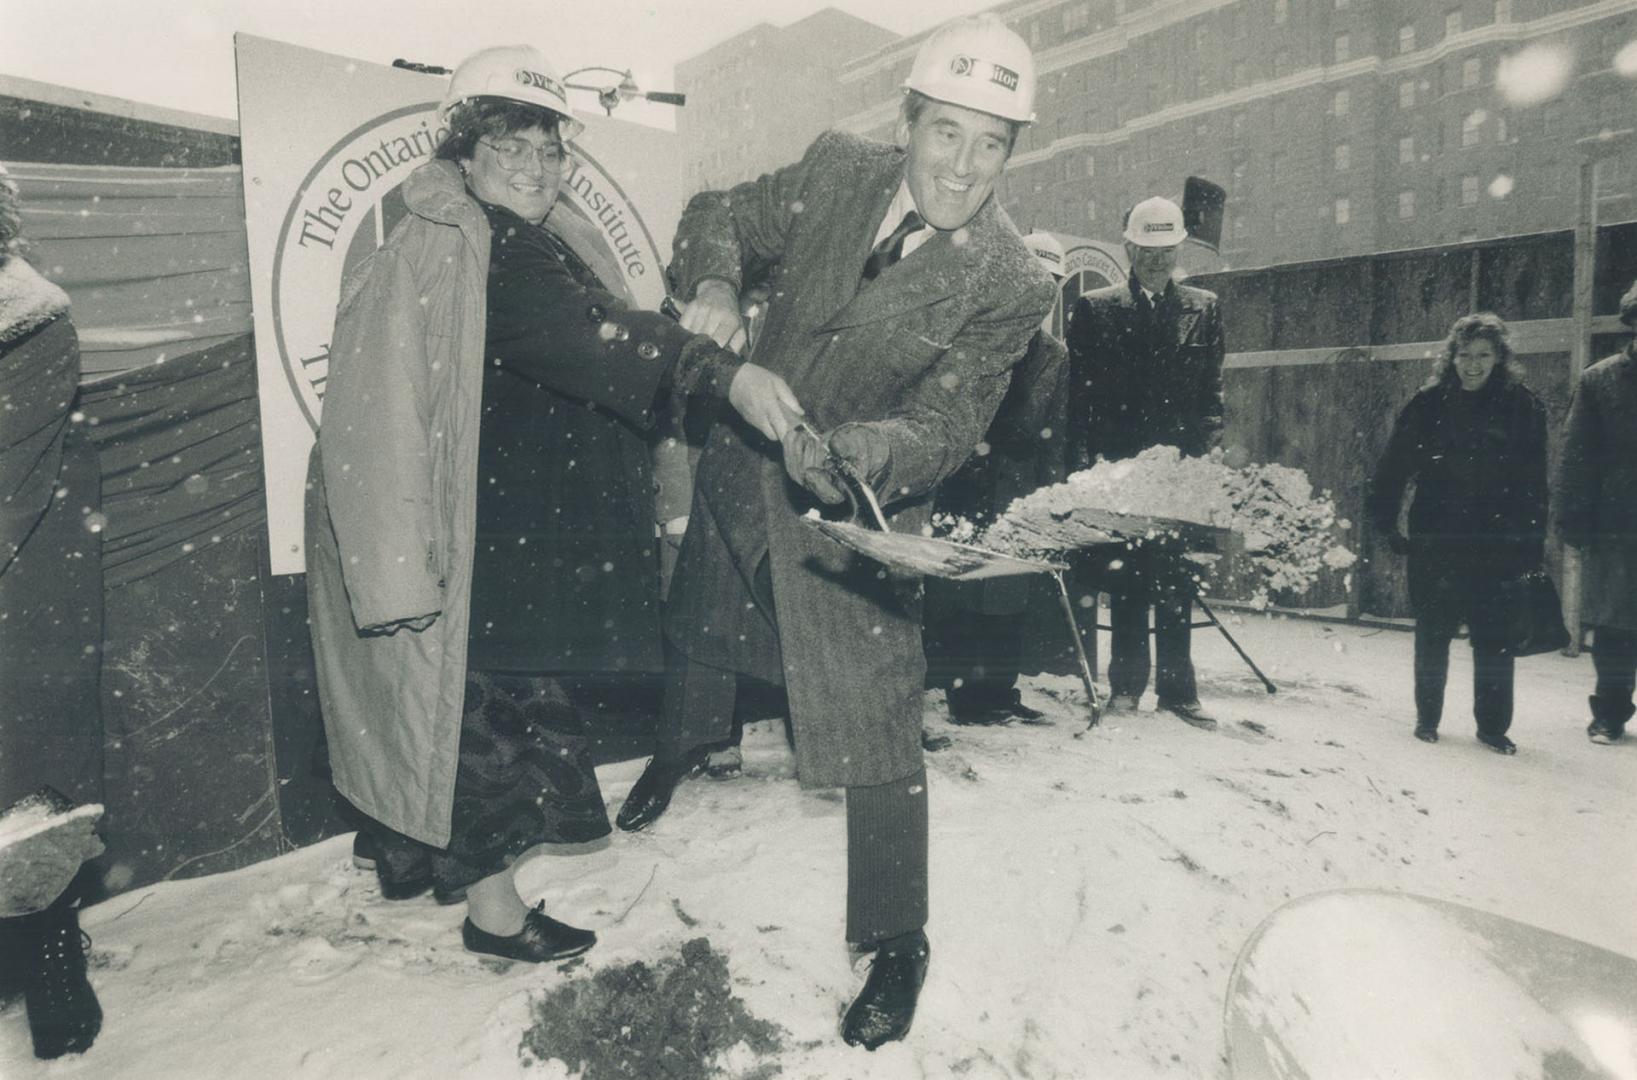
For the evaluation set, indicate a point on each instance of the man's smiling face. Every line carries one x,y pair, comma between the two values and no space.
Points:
955,157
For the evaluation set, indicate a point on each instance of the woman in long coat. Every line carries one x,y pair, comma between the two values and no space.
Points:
1596,498
479,518
1474,441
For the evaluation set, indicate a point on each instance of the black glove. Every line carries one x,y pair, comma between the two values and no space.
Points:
866,448
807,462
1398,542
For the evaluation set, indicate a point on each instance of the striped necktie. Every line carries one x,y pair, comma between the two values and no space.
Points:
891,247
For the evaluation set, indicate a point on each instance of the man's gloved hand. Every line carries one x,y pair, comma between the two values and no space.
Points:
866,448
807,461
1398,542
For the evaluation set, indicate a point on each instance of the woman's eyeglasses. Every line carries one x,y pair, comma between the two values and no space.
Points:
517,153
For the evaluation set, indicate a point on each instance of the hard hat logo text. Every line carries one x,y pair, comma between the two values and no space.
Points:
1004,76
538,81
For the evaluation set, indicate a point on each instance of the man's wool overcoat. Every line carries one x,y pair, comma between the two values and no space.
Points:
926,350
1596,491
1141,376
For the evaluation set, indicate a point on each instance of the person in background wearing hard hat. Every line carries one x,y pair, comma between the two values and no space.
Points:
476,535
974,630
1145,370
901,298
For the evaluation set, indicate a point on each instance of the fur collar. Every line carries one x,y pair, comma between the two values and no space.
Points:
27,300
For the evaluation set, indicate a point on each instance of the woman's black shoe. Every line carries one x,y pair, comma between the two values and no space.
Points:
1426,732
542,939
883,1011
45,953
652,792
1498,743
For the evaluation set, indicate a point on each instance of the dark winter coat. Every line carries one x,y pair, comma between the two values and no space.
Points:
50,561
393,480
1479,466
925,349
1141,377
1596,491
1023,450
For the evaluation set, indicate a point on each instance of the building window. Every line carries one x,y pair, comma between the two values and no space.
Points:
1452,22
1091,166
1340,102
1076,18
1091,210
1406,205
1202,37
1344,211
1241,228
1281,12
1469,190
1406,94
1500,129
1343,49
1406,38
1472,128
1471,72
1503,11
1406,150
1342,157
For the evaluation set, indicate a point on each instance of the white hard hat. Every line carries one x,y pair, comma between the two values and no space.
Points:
516,73
1155,222
1047,250
979,63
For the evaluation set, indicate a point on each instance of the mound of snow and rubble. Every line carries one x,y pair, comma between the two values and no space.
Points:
1288,533
1089,896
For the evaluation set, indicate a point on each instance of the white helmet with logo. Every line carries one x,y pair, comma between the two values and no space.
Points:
1047,250
1155,222
978,63
516,73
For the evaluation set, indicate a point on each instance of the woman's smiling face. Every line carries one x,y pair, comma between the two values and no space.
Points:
522,171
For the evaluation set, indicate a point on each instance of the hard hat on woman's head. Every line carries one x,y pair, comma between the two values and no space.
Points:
1155,222
978,63
514,73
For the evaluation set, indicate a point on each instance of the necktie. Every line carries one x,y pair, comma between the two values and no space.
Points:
891,247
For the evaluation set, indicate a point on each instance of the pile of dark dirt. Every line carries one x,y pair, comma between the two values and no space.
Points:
672,1020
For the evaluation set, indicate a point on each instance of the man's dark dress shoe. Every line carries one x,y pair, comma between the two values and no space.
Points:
365,851
542,939
1426,732
934,743
652,792
1003,713
1498,743
1191,712
883,1011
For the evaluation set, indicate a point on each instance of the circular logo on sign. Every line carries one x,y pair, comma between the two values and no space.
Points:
349,202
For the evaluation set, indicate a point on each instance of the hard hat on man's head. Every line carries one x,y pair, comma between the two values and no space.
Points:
978,63
516,73
1047,250
1155,222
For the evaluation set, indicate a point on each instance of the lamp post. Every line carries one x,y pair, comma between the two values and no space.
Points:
624,90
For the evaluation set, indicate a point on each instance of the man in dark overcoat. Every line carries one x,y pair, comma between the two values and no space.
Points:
1596,502
1145,370
974,629
900,300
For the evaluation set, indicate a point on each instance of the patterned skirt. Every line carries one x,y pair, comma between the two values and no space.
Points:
524,778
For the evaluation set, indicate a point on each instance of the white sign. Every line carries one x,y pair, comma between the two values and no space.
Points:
326,142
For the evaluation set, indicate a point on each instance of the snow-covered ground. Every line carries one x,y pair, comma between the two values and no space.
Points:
1089,895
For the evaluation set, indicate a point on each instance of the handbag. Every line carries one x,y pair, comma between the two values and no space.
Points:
1530,615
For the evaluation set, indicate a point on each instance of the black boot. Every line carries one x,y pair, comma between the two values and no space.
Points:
651,794
45,954
883,1011
1609,718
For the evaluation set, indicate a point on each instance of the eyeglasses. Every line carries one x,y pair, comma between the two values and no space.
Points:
517,153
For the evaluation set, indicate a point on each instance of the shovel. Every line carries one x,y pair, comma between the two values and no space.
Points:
940,558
